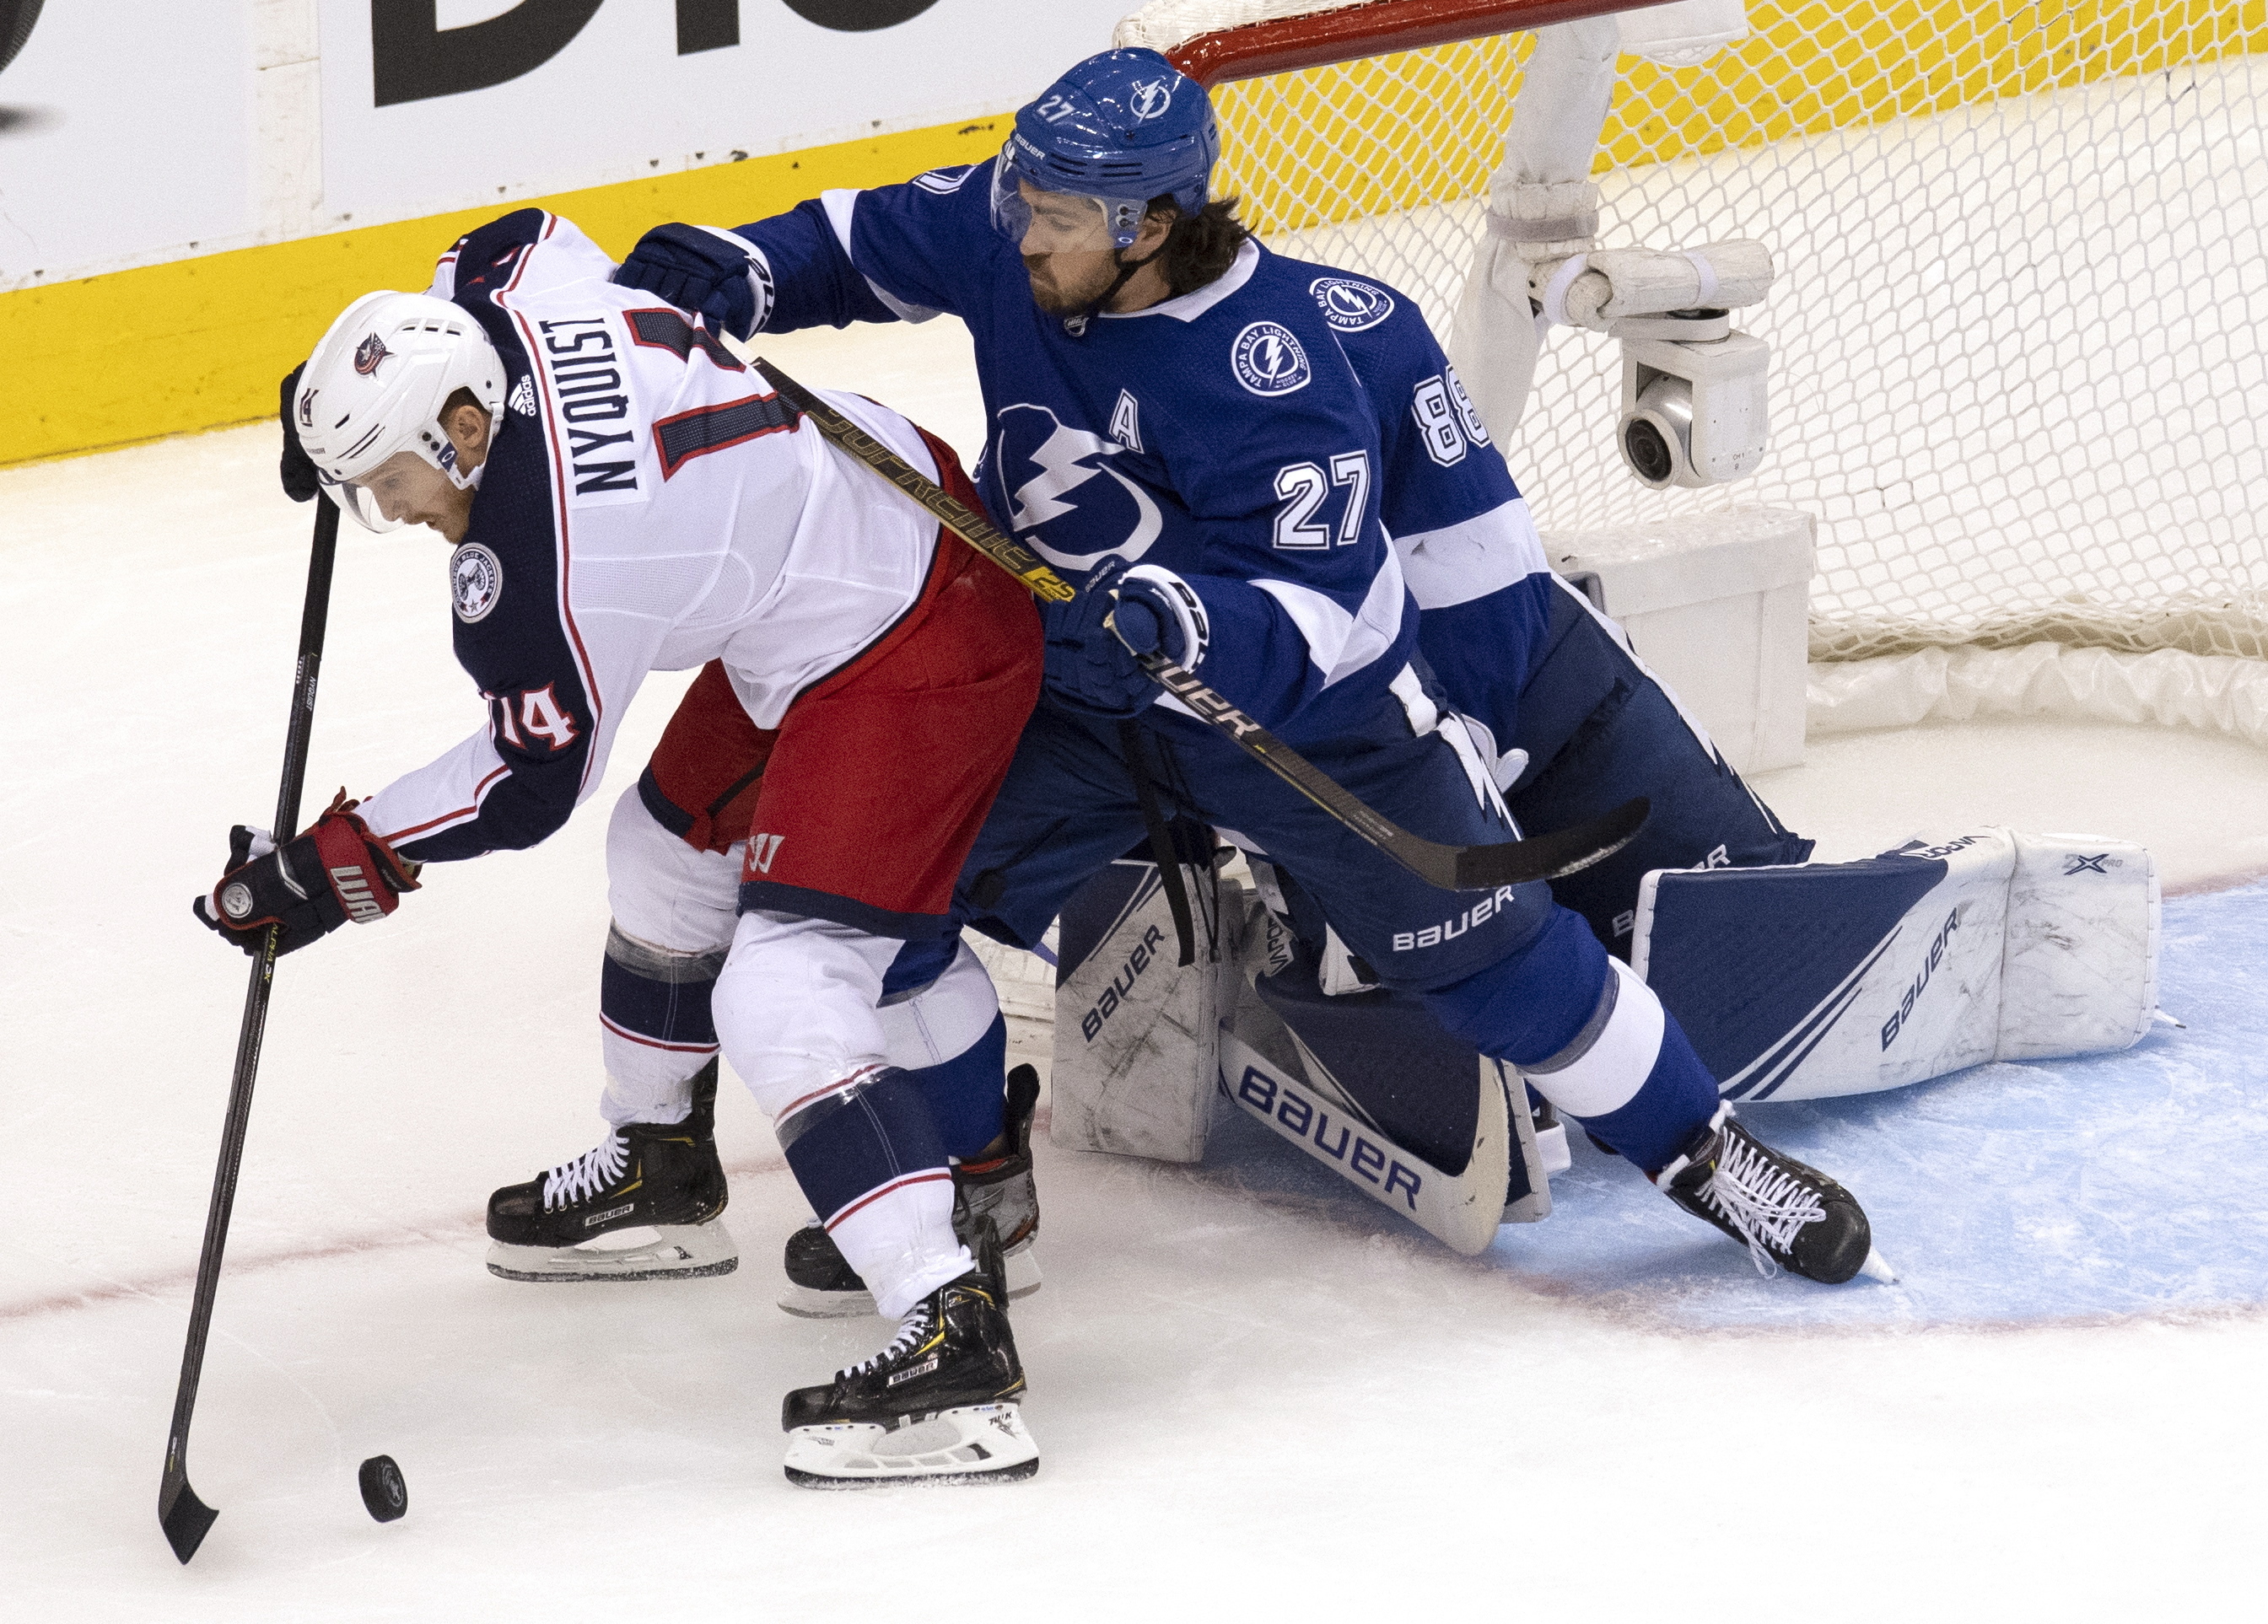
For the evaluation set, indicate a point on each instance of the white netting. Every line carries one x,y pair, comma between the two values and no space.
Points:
2017,369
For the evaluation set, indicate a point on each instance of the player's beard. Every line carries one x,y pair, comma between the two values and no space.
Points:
1050,293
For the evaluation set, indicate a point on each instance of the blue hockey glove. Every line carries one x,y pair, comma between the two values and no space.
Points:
1091,667
694,269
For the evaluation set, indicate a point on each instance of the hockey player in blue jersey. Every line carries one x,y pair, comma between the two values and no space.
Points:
1215,442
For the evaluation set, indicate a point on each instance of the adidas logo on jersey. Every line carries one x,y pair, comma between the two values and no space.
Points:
523,396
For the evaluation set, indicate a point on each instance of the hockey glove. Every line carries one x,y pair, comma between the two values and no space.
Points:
694,269
311,885
1090,666
301,483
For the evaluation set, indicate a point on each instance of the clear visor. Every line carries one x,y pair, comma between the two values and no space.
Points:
1040,221
404,489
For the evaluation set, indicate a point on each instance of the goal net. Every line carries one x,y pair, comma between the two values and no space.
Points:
2017,366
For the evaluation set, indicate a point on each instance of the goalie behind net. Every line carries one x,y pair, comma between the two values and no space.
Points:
2014,325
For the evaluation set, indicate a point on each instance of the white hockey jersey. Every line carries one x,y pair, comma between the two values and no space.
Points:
647,504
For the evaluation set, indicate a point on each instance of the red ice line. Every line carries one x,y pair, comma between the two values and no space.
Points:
177,1279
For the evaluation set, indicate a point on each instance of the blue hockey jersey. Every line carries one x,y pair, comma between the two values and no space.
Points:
1228,435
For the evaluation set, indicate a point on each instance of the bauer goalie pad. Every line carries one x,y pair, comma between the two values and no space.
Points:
1137,1032
1844,978
1374,1089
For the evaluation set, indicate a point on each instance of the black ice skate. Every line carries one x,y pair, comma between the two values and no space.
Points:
996,1186
644,1176
936,1406
1788,1216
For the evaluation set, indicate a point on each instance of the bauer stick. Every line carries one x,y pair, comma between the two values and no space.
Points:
1452,868
185,1517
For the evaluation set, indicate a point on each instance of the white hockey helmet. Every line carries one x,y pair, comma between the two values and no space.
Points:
376,385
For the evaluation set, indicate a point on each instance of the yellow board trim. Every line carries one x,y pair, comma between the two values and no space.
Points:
201,343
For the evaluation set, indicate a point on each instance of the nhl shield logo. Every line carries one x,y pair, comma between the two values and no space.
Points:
1351,305
476,581
1150,98
1268,359
307,408
368,354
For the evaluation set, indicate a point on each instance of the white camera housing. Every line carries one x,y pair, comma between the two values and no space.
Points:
1694,408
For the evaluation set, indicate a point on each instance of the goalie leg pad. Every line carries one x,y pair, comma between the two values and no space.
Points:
1135,1034
1829,979
1374,1089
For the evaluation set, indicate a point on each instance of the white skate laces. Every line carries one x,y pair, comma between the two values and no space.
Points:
913,1330
588,1173
1767,1206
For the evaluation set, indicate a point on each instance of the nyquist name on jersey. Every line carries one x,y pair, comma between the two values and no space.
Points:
579,354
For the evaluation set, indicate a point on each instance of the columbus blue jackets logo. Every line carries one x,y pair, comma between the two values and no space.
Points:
1269,360
368,354
1066,501
1151,99
1351,305
476,581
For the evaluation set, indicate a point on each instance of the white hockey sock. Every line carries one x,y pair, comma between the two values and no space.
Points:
902,1245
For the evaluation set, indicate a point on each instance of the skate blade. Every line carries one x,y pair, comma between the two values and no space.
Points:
1878,1268
977,1443
677,1252
809,1303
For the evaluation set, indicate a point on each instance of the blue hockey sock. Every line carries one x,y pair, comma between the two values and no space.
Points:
848,1147
964,1093
1677,1097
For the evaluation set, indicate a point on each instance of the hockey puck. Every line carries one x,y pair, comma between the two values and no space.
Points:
383,1491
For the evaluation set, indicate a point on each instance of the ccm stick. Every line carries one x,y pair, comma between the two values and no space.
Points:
185,1517
1452,868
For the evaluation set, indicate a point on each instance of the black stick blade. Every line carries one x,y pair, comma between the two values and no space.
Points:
1548,856
185,1518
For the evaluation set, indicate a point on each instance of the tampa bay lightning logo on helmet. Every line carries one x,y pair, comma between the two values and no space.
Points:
1066,502
476,581
1150,98
368,354
1268,359
1351,305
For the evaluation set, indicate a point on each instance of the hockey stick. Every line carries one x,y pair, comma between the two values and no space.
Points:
185,1517
1452,868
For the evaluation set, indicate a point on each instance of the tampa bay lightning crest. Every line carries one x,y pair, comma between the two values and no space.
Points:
1268,359
1065,496
1351,305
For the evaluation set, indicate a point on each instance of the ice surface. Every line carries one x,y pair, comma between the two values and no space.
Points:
1255,1392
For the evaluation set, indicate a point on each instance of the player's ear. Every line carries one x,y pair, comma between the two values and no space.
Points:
1157,221
467,425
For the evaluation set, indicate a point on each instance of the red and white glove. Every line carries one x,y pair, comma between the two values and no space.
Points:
309,885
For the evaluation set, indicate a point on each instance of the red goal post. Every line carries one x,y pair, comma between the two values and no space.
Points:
1317,37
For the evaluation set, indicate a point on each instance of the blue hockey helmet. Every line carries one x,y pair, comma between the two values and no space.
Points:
1119,128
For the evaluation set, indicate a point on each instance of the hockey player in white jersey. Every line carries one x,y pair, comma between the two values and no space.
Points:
624,497
1175,423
